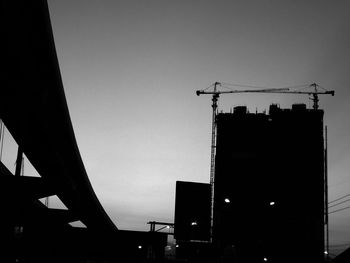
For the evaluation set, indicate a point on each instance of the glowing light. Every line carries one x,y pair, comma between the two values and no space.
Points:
227,200
265,259
167,227
139,247
194,223
326,252
177,246
272,203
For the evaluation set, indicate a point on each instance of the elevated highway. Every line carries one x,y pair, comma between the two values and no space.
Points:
34,109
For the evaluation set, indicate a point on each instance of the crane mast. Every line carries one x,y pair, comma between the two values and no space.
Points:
215,96
212,155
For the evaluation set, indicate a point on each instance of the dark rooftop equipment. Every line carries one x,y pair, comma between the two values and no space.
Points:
299,107
240,110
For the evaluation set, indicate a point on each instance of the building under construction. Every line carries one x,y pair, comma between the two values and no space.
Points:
269,190
269,185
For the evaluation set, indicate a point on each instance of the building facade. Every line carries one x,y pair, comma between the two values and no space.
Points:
269,185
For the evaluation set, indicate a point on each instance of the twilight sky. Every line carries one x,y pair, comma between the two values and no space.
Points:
130,70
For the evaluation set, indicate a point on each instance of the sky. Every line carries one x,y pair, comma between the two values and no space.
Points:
130,70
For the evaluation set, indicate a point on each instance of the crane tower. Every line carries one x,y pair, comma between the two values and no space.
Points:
313,93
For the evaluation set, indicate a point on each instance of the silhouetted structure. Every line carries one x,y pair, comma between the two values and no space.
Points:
192,211
192,221
34,109
269,185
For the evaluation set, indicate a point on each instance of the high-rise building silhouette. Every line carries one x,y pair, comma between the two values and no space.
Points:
269,185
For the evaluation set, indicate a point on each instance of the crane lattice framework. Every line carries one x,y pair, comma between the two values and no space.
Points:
314,92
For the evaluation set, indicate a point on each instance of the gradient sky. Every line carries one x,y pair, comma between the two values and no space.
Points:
130,70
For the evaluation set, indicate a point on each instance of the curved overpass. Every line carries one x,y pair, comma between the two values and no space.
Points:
34,108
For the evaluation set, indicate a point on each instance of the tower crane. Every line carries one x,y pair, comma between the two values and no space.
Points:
215,96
